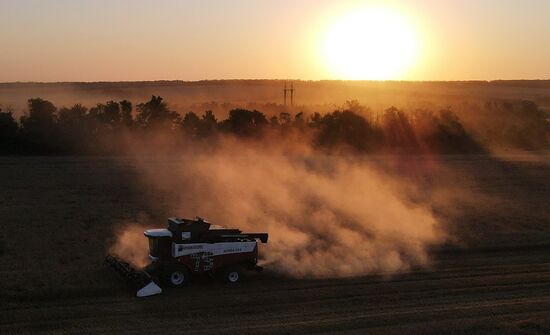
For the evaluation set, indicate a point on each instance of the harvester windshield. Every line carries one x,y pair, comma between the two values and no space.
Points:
160,241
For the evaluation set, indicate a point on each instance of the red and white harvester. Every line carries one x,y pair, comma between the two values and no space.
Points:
189,247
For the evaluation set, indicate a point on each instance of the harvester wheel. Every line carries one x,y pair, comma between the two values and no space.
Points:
232,275
177,276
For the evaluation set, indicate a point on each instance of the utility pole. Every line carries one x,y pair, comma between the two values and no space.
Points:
290,90
291,94
284,93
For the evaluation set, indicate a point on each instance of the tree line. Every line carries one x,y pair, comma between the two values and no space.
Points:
46,129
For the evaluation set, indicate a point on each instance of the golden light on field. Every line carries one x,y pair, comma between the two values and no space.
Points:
370,43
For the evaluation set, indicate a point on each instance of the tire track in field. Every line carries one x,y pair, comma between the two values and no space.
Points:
268,305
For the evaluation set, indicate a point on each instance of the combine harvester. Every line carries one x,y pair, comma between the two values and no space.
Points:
191,247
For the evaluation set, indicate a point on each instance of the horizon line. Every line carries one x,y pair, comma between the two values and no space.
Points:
278,79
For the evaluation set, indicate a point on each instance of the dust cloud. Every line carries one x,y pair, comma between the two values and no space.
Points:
131,245
327,216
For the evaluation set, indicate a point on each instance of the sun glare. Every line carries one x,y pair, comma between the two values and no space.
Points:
370,43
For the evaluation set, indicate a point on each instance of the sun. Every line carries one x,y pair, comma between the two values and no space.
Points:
370,44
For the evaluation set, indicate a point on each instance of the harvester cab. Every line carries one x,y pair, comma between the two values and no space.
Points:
189,247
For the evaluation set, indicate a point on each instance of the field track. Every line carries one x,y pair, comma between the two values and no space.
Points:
500,292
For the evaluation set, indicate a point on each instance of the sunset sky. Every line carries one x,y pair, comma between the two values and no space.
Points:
100,40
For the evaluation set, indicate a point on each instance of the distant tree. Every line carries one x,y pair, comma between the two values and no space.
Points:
299,121
505,124
443,133
344,129
8,125
74,115
107,114
315,120
209,117
39,127
113,113
513,124
397,129
527,126
451,137
190,124
285,118
155,113
8,132
208,125
202,127
245,123
357,108
126,110
76,129
97,113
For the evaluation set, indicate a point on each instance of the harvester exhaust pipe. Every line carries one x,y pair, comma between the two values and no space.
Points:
136,278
